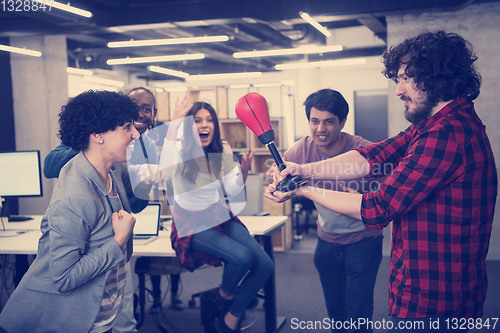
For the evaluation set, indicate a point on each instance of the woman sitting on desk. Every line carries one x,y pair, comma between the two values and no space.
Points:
199,168
77,280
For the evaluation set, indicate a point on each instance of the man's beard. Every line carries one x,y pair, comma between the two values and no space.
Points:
422,110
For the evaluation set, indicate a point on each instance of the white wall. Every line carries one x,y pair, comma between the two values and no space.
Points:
39,88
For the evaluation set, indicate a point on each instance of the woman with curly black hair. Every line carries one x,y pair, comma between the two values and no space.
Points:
77,280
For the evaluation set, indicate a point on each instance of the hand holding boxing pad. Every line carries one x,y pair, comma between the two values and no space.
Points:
253,111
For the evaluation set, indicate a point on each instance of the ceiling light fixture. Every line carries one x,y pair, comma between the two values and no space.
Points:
106,82
66,8
326,63
19,50
139,27
315,24
225,76
161,70
297,50
79,71
169,41
142,60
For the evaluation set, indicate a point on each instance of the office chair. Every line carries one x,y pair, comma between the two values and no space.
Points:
302,206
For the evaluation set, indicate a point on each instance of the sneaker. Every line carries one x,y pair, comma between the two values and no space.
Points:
177,305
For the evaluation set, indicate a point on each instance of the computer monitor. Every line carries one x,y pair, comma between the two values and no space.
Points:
20,174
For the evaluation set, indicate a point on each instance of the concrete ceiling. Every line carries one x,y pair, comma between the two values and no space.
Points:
358,25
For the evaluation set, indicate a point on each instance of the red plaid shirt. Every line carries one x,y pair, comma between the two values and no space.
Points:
441,198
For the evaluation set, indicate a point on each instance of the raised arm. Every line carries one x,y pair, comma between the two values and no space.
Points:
347,203
350,165
72,262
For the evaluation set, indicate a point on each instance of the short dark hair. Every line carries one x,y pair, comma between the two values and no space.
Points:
440,63
146,90
94,112
327,100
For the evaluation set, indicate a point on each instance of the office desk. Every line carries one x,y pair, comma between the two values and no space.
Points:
260,226
25,243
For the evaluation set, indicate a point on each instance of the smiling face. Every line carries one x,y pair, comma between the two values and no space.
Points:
116,141
417,104
325,128
147,112
205,126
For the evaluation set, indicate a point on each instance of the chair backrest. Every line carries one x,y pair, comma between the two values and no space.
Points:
254,193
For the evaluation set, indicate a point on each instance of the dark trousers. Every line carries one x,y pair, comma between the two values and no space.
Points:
156,283
348,274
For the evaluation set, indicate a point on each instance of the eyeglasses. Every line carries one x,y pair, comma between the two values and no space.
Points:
145,109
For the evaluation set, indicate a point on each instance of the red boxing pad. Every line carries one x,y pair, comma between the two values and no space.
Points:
253,111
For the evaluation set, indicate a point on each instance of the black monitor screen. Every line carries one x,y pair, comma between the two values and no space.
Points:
20,174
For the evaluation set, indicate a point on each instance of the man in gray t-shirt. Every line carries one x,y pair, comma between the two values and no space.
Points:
347,255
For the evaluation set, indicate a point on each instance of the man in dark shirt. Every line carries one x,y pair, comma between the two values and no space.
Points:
347,255
441,189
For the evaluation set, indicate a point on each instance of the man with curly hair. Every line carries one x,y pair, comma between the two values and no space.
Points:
441,189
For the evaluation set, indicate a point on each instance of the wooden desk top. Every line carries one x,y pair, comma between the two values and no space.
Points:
27,241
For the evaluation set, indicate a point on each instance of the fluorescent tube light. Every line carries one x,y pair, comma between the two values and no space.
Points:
79,71
66,8
326,63
169,41
224,76
142,60
315,24
106,82
161,70
19,50
298,50
138,27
